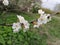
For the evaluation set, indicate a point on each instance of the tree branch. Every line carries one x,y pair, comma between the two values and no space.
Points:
4,24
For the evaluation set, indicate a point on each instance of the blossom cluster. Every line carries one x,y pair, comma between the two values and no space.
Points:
6,2
21,24
43,19
24,24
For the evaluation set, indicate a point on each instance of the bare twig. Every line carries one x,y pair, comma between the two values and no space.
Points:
4,24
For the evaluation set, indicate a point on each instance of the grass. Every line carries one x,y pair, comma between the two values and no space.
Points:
35,36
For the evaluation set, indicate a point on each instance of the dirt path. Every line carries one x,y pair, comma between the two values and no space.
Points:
56,41
56,17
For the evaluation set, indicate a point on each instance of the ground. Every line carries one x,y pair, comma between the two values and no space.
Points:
48,34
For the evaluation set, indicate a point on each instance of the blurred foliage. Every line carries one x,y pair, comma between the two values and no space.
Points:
47,10
20,5
21,38
7,37
34,36
35,8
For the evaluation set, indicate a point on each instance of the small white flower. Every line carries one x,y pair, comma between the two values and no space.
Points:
21,19
32,4
25,23
40,12
15,30
26,26
48,17
6,2
36,26
16,27
43,19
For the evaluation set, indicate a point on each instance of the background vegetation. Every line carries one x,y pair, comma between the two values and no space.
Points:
48,34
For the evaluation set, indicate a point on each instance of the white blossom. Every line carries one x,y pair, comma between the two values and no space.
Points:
25,22
38,23
40,12
15,30
21,19
6,2
26,26
36,26
16,27
48,17
43,19
32,4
